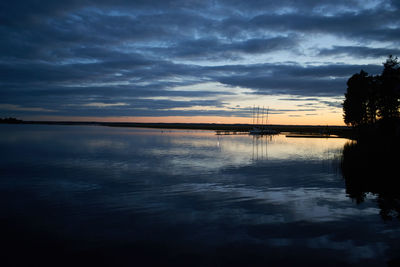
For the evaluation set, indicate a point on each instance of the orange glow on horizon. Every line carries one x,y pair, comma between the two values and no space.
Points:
329,119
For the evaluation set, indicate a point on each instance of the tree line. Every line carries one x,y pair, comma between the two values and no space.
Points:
372,107
10,120
370,99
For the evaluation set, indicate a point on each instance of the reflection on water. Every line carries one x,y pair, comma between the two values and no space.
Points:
371,167
260,147
115,196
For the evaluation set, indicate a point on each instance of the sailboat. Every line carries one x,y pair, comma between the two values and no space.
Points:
260,129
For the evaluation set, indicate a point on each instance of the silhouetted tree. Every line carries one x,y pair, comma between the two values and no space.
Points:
369,98
389,84
359,106
372,104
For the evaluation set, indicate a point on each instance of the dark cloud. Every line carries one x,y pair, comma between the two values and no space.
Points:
367,25
292,79
209,49
360,51
285,85
59,56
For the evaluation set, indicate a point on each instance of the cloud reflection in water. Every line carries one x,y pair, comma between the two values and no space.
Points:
188,192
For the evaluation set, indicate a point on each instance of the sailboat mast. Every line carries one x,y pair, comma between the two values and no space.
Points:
253,113
256,115
262,117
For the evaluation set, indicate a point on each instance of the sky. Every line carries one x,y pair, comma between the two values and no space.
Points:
189,61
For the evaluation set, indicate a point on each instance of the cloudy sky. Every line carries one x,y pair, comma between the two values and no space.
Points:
189,60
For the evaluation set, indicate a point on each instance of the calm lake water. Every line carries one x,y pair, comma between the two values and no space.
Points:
124,196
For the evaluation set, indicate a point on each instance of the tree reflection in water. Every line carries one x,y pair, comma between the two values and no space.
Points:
372,166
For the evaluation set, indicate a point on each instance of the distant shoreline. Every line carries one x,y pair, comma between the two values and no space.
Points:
342,131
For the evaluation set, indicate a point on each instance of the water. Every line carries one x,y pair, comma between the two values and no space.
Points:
90,195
